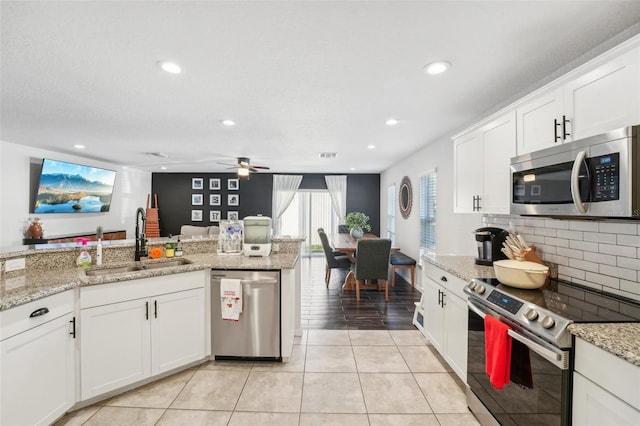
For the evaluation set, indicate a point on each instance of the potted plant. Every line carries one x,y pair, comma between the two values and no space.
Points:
357,223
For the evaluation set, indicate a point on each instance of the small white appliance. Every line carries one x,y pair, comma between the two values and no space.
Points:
257,236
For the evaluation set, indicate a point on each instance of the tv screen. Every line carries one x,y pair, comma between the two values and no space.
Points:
73,188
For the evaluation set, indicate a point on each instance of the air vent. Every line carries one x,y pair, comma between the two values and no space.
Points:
328,154
158,154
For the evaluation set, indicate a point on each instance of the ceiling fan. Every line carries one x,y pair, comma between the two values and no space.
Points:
245,167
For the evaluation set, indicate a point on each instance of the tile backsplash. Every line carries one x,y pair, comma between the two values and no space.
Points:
604,255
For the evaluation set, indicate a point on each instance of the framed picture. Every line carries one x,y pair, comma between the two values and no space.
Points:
214,184
214,216
196,183
233,184
232,215
196,215
214,199
233,200
196,199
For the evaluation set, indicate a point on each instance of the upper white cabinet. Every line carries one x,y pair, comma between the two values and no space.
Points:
481,166
604,97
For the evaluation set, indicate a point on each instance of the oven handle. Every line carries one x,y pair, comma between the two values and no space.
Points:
559,359
575,182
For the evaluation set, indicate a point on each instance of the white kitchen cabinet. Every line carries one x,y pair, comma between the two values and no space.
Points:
136,329
482,159
606,389
603,97
445,316
37,361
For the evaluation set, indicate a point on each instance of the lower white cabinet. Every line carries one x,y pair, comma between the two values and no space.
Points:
445,316
606,389
127,338
38,361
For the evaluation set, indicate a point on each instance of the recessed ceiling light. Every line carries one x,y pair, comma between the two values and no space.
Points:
371,146
352,168
170,67
78,146
437,67
163,167
228,122
391,122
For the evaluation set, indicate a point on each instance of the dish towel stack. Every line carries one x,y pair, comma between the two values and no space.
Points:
497,348
231,299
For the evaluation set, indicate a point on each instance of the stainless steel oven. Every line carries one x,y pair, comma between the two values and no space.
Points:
597,176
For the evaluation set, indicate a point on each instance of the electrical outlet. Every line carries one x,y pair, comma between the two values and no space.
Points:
14,264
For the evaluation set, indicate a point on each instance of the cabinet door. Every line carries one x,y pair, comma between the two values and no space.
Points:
38,374
433,313
455,322
535,121
606,98
498,146
593,405
115,346
177,329
467,154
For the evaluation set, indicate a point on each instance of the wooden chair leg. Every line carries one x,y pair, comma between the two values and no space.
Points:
386,290
358,290
393,275
328,277
413,272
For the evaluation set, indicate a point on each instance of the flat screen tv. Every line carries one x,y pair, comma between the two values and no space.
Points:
73,188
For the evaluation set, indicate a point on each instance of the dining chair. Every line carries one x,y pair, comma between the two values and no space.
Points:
333,260
372,263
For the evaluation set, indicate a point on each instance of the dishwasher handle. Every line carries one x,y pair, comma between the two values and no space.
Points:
256,281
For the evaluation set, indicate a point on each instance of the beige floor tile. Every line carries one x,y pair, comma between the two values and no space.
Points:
370,337
379,359
194,418
403,420
240,418
408,337
457,420
295,364
227,365
328,337
78,417
442,392
212,390
393,393
159,394
421,359
125,416
301,340
330,359
332,393
268,391
317,419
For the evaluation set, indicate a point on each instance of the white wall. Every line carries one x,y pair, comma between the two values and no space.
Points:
453,230
130,192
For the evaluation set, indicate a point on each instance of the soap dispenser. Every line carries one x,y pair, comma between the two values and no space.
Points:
84,258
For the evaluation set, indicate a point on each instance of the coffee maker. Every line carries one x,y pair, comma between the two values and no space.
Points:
490,245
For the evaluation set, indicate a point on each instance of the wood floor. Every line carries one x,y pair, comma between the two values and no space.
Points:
332,309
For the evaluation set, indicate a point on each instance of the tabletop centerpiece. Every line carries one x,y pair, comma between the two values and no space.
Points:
357,222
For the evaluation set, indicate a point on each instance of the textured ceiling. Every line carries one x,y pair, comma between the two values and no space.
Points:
298,77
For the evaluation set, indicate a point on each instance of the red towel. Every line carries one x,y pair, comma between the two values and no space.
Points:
497,349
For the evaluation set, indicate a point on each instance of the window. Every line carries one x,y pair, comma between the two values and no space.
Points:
391,213
428,209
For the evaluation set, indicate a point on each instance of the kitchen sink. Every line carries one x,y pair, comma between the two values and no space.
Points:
166,264
110,271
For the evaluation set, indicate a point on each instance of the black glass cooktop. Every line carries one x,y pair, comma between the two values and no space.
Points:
575,302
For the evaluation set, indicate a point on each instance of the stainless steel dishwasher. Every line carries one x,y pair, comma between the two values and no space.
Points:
256,335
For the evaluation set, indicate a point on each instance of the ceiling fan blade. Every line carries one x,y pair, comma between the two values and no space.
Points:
261,167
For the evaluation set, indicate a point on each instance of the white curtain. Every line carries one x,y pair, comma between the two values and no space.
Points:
284,189
337,186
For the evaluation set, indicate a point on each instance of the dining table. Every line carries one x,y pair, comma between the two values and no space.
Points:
346,244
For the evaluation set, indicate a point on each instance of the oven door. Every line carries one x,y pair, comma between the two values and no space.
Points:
539,391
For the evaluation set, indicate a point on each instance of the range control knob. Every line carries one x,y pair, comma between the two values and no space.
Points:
472,285
531,314
480,289
547,322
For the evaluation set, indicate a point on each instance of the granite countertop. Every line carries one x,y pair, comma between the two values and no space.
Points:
620,339
20,287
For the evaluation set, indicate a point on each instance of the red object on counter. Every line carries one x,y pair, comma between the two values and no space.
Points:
497,348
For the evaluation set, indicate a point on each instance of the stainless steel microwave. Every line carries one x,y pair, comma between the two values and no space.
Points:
593,177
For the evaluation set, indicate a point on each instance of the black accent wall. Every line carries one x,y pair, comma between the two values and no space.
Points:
255,197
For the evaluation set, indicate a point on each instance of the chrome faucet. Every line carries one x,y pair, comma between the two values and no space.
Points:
141,241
